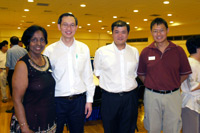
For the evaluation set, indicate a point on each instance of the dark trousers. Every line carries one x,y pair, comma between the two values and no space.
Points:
119,112
71,112
9,79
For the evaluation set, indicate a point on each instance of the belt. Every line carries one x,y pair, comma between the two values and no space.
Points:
72,97
163,91
3,68
117,93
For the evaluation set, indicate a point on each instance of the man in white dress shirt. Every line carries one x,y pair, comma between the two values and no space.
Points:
116,65
3,75
191,90
71,66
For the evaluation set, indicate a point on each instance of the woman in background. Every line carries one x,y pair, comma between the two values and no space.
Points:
33,86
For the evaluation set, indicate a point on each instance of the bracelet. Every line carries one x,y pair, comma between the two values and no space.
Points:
23,124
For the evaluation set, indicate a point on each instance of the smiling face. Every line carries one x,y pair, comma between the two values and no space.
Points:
159,33
68,27
120,35
37,43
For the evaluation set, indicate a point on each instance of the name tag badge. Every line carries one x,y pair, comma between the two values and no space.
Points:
152,58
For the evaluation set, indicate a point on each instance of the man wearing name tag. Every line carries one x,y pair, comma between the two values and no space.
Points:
163,66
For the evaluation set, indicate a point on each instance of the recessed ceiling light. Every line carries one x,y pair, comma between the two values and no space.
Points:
83,5
102,28
135,11
169,14
171,22
145,19
100,21
89,30
166,2
70,12
80,27
109,32
48,25
18,27
88,24
30,0
135,27
53,22
114,16
26,10
127,23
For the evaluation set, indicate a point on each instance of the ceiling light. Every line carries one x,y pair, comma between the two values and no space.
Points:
166,2
171,22
135,11
26,10
100,21
135,27
169,14
114,16
145,19
88,24
30,0
89,30
127,23
18,28
79,27
48,25
53,22
109,32
83,5
102,28
70,12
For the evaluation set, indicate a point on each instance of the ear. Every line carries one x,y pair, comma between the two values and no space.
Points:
59,26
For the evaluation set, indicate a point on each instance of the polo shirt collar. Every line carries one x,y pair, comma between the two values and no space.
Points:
171,45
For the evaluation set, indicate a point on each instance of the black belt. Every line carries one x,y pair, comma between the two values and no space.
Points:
72,97
117,93
3,68
163,91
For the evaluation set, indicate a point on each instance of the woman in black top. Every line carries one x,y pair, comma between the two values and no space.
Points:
33,86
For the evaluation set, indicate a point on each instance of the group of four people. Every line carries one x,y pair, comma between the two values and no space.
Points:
66,67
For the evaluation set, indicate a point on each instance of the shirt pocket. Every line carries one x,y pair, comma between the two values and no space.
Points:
131,68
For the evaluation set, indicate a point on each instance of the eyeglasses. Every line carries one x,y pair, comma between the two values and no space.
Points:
35,40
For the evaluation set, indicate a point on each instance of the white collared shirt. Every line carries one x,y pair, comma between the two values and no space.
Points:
190,99
71,68
116,68
2,59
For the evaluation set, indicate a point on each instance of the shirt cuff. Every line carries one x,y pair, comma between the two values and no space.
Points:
97,72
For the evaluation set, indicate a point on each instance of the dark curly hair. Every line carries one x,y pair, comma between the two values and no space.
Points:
29,32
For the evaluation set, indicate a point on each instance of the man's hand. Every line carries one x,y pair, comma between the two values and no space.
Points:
88,109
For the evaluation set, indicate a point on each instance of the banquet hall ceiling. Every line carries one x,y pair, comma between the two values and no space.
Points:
44,12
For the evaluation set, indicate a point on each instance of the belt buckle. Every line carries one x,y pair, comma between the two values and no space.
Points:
121,94
70,98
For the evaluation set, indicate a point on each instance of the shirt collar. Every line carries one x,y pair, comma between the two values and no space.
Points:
171,45
116,49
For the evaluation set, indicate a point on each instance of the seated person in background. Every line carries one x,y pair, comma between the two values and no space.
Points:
191,90
34,86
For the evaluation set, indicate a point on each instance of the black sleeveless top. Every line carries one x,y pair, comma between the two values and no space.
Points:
39,97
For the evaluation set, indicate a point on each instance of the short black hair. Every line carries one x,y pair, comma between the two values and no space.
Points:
192,44
29,32
66,15
2,44
120,23
5,42
14,40
158,21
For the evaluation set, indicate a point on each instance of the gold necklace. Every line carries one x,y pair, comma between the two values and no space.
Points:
38,67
